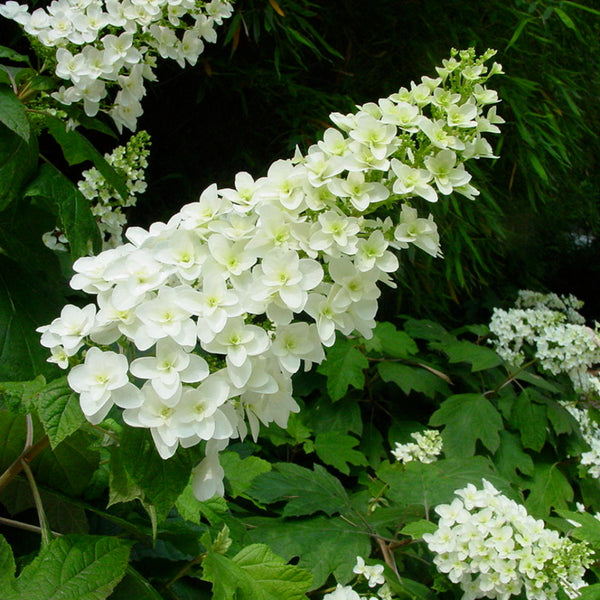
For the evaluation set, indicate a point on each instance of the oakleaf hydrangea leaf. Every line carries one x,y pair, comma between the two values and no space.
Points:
337,449
325,545
344,367
549,488
305,491
468,418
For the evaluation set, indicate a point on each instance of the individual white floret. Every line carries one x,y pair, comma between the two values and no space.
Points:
169,368
96,379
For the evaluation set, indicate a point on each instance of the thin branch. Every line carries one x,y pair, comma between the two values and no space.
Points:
28,454
24,526
45,528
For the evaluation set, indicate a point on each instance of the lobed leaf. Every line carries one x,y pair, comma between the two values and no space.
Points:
344,366
337,449
324,545
468,418
304,491
548,489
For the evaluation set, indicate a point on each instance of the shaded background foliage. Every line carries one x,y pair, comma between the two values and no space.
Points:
285,65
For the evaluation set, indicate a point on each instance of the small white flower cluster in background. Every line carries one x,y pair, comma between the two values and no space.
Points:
554,334
113,44
130,161
218,308
426,448
492,548
373,574
590,430
550,330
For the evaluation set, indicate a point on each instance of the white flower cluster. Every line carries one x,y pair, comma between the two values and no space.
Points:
373,574
553,334
590,430
493,548
106,44
130,161
428,445
569,305
224,303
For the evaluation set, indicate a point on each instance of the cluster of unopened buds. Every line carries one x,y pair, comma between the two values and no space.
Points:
201,322
106,44
492,548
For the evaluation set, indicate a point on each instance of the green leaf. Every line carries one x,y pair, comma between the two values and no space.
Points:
161,481
305,491
59,411
591,592
562,420
77,220
121,486
63,516
565,18
240,472
78,149
7,565
68,467
12,113
12,55
530,419
12,433
417,529
18,162
424,329
582,7
589,529
255,573
324,546
467,418
74,567
517,32
510,457
18,396
549,489
409,589
537,380
391,342
434,483
343,415
413,379
343,367
480,357
337,449
133,585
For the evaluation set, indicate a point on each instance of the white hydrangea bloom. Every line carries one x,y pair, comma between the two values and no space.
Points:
219,306
139,31
492,548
